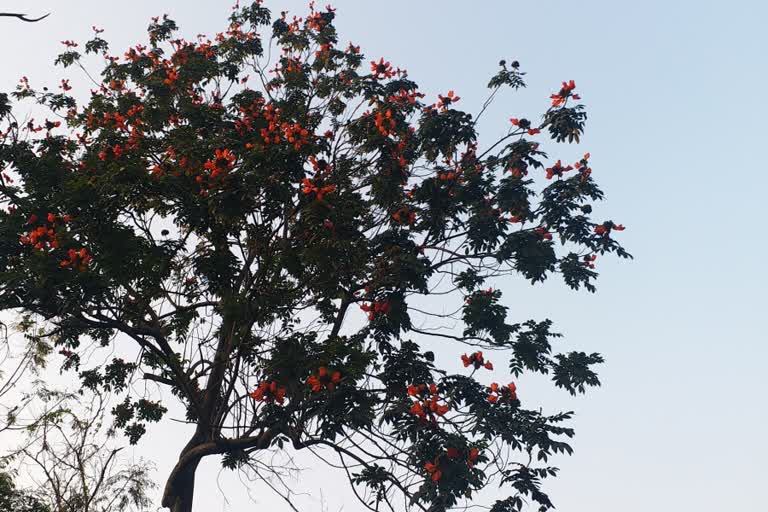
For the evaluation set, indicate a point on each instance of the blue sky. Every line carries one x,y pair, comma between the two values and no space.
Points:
674,92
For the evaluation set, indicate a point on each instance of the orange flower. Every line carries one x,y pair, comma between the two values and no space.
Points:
77,259
445,101
427,405
268,392
504,393
404,216
376,308
557,170
381,69
606,227
307,187
384,123
434,471
473,453
476,359
565,92
324,380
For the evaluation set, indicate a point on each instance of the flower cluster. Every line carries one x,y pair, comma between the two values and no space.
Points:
427,404
384,123
44,237
277,131
479,293
476,359
433,468
77,260
566,91
379,307
404,97
583,167
308,187
543,233
450,175
404,216
269,392
524,124
558,170
589,260
605,228
500,394
218,166
454,453
324,380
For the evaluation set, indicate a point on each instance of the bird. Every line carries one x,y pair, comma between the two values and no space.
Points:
22,17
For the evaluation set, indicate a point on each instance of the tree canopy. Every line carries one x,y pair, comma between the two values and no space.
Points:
270,225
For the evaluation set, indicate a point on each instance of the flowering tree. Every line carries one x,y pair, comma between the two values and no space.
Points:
227,206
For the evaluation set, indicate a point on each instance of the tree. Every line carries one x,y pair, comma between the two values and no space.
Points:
72,461
232,233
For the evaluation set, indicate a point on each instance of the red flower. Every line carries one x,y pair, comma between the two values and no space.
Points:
376,308
473,453
504,394
222,162
307,187
78,260
583,167
324,380
452,453
434,471
427,405
384,123
404,216
557,170
565,92
268,392
445,101
605,228
543,233
171,76
476,359
381,69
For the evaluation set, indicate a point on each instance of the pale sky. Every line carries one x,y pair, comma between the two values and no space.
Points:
674,93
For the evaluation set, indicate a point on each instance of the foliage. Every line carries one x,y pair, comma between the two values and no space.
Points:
13,499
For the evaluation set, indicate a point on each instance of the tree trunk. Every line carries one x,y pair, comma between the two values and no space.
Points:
180,489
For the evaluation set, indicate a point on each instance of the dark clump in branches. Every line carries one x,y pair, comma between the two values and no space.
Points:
274,222
22,17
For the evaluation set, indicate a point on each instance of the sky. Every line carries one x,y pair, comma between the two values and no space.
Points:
673,90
